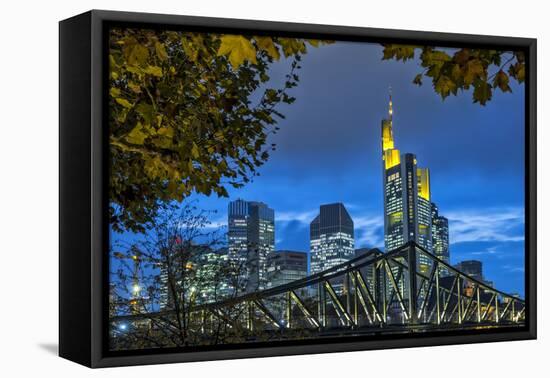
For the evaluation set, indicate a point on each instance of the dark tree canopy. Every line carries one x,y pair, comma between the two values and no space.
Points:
189,112
450,72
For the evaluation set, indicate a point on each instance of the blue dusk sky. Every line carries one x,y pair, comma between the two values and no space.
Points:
328,150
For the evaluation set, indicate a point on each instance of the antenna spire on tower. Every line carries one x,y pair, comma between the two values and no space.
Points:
390,110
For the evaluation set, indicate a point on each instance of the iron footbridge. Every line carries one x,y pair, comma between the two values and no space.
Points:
402,291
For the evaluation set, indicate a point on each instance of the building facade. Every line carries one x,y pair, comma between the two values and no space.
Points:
472,268
331,238
192,271
211,284
440,237
285,266
251,237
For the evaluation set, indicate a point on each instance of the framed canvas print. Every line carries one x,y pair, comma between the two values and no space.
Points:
234,188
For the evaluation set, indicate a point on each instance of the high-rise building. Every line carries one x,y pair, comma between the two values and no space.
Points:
331,237
191,270
165,294
285,266
472,268
407,206
251,234
212,286
440,236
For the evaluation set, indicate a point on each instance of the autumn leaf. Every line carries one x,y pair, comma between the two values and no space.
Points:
292,46
266,44
153,70
161,51
444,86
482,92
517,71
434,61
134,87
114,92
437,56
314,42
166,131
124,102
195,151
146,111
136,136
238,49
418,79
462,56
398,52
191,51
137,54
502,81
472,70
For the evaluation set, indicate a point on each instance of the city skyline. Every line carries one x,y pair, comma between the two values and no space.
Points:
331,244
475,155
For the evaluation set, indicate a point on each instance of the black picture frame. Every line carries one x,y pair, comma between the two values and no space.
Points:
83,227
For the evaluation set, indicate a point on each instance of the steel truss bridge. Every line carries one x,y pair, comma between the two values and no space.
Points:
404,290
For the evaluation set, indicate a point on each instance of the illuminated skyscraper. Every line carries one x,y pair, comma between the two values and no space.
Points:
207,270
191,269
440,236
331,238
285,266
407,207
472,268
251,235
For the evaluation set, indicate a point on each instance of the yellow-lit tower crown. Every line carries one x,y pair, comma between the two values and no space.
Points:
390,154
387,132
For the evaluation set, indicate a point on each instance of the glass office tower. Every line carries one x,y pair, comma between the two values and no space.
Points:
331,237
440,236
251,236
285,266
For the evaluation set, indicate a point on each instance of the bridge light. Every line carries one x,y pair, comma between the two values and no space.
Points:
136,289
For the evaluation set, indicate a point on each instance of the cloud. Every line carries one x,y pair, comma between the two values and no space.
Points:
217,223
300,216
513,268
369,231
494,224
501,250
489,251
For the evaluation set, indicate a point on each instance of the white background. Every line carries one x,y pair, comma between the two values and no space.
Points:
29,185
